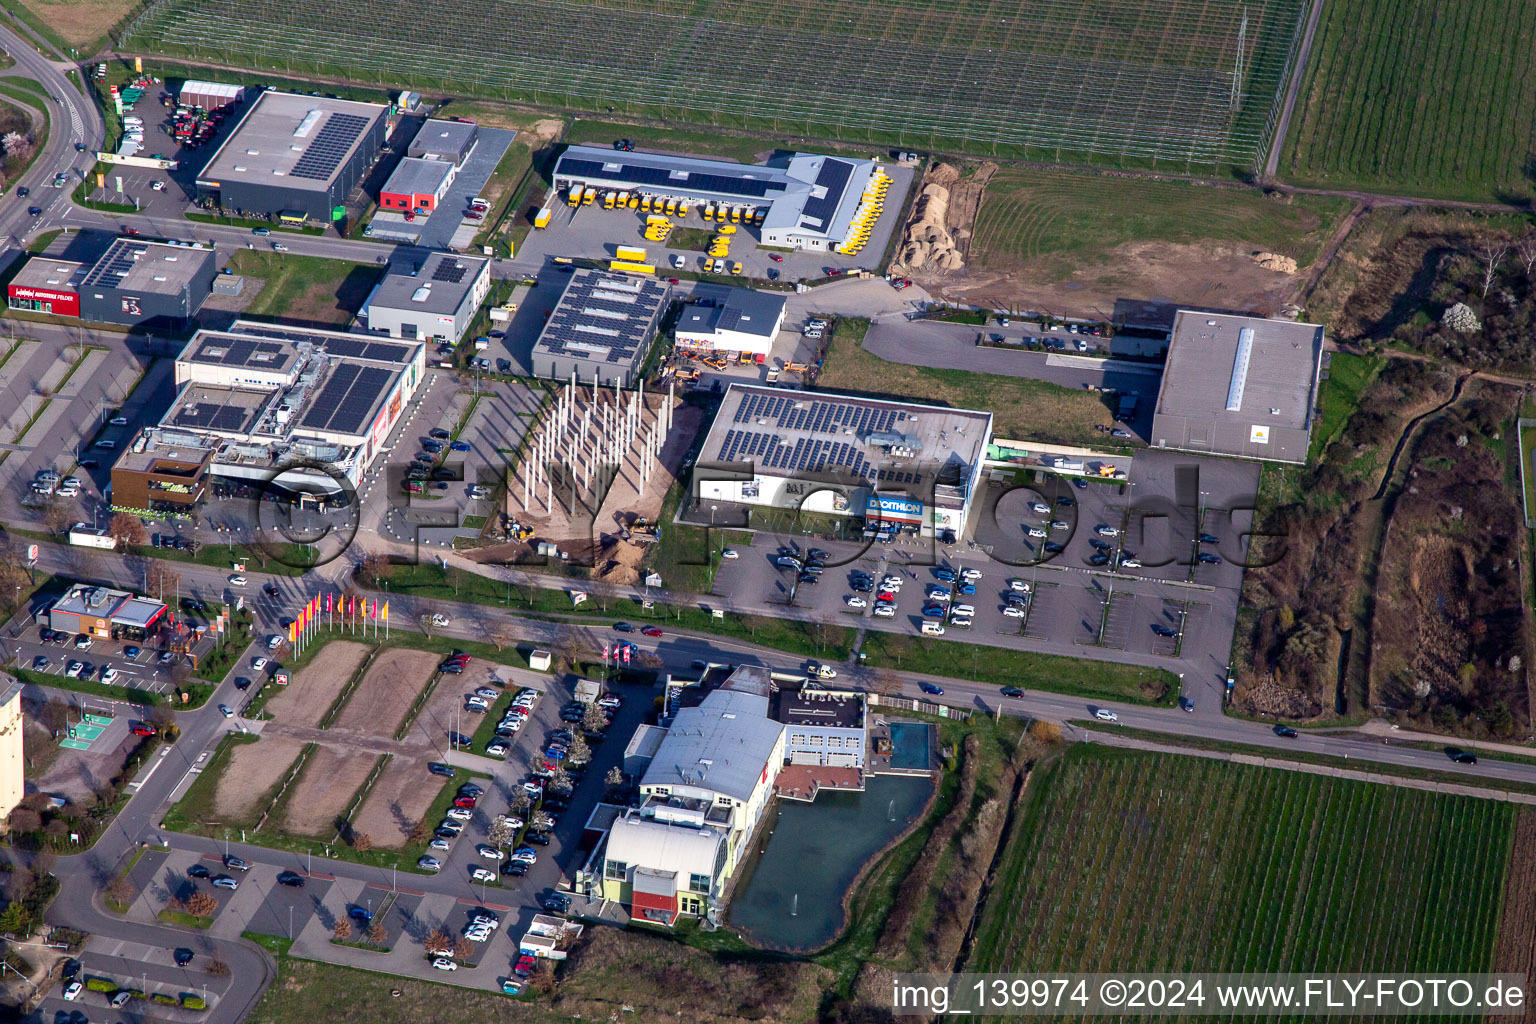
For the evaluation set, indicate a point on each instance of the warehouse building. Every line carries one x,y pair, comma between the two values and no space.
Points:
806,202
900,467
450,141
434,299
209,96
105,613
742,324
1239,385
417,184
261,408
602,327
294,156
155,285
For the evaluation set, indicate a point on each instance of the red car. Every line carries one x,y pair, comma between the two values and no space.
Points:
776,257
525,966
130,231
144,730
651,631
885,595
464,801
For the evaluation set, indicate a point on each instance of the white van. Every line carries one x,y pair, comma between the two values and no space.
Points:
931,628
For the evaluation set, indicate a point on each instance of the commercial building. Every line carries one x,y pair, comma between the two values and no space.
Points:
742,324
435,298
806,201
47,285
900,467
704,792
150,284
106,614
1239,385
295,155
822,727
262,409
602,327
156,285
417,184
451,141
12,755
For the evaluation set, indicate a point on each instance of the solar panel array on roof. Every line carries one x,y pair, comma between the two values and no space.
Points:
332,144
343,404
833,178
352,348
661,178
452,272
117,262
603,317
227,350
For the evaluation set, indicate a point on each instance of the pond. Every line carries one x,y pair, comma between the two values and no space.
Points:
911,743
794,897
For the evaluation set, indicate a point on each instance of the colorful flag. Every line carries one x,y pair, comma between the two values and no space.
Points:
386,611
627,649
351,604
327,604
373,608
293,633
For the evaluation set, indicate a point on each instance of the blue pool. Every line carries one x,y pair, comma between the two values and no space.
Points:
911,744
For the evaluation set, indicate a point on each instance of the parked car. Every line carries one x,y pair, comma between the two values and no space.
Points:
437,768
236,864
225,882
429,864
290,878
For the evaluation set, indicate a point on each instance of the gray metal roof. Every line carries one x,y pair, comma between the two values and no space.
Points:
292,140
603,317
722,745
147,268
751,312
414,176
1239,385
439,285
447,140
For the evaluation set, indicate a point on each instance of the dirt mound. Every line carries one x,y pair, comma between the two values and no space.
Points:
939,229
1276,262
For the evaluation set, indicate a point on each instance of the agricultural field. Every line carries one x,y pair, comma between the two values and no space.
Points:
1419,97
1125,860
1177,85
1080,242
79,23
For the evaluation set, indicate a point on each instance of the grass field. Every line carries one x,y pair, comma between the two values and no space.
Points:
1114,80
306,288
79,23
1419,97
1124,860
1056,221
1348,376
1020,407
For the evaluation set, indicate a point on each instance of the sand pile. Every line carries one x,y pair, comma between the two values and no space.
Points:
928,241
1274,261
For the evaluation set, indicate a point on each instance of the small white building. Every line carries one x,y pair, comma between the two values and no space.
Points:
437,297
744,322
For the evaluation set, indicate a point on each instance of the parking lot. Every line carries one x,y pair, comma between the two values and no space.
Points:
447,226
143,665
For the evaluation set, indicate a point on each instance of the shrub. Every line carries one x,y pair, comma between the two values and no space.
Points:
165,1000
193,1003
100,985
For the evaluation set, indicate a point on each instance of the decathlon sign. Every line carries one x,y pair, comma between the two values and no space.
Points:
893,508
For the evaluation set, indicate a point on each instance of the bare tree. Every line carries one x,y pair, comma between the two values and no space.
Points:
376,933
218,968
375,568
362,842
120,889
128,530
579,752
54,715
343,929
567,646
1491,251
57,516
500,833
439,942
594,718
886,682
500,635
1525,249
615,777
463,949
420,833
201,904
425,621
161,578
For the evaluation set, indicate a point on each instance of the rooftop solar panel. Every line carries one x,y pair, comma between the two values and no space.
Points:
330,146
834,180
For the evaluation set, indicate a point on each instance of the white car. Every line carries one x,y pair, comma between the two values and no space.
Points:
885,611
1129,563
856,602
1106,715
258,664
892,582
477,702
237,581
1013,611
964,622
109,674
1040,507
1022,586
963,610
526,856
1106,531
118,421
73,992
488,852
439,619
442,963
729,553
1035,531
440,844
450,825
462,813
274,642
482,875
970,575
158,186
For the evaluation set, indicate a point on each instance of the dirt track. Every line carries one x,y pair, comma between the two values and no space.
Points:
382,699
252,770
329,781
397,802
317,685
